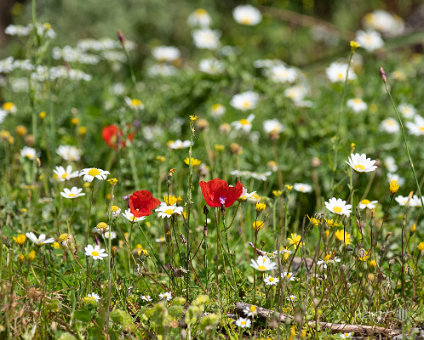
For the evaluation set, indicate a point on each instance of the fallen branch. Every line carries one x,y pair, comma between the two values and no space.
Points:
264,313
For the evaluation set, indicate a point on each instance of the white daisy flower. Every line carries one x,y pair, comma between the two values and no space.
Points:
200,17
167,211
397,178
165,296
282,74
367,204
166,53
292,298
94,296
384,22
245,195
302,187
115,210
18,30
134,103
211,66
327,260
251,311
206,38
3,115
273,126
243,323
296,93
62,174
413,202
92,173
130,217
178,144
28,152
160,239
245,101
407,110
390,164
357,105
369,40
282,251
417,126
9,107
346,335
288,276
95,252
389,125
270,280
162,70
73,193
336,72
40,240
244,124
360,163
146,298
69,153
263,263
338,206
247,15
217,110
108,234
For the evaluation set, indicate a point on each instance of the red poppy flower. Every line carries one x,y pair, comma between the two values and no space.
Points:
142,203
217,192
114,137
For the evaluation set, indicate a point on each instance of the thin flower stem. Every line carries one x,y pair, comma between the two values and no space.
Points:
87,228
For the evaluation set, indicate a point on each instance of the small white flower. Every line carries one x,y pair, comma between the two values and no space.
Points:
200,17
115,210
407,110
273,126
146,298
243,323
73,193
292,298
360,163
245,101
40,240
94,296
167,211
178,144
397,178
166,53
367,204
282,74
28,152
346,335
245,195
417,126
369,40
271,281
302,187
130,217
338,206
160,239
69,153
217,110
263,263
165,296
211,66
390,164
389,125
162,70
244,124
336,72
134,103
413,202
108,234
92,173
63,174
384,22
95,252
18,30
247,15
326,261
288,276
357,105
251,311
206,38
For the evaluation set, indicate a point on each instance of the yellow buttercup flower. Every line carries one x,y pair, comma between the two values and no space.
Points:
258,225
289,187
393,186
296,240
22,257
314,221
354,45
19,239
75,121
260,206
112,181
372,263
277,193
343,236
42,115
31,255
56,245
413,228
194,161
421,246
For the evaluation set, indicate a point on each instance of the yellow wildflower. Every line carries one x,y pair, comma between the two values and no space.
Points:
289,187
19,239
260,206
277,193
258,225
160,159
393,186
31,255
42,115
296,240
421,246
194,161
343,236
354,45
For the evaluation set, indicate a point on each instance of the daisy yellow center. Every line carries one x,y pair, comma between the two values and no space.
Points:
168,211
246,104
357,101
244,122
327,257
261,268
64,175
289,275
71,195
365,201
337,210
421,128
200,12
390,122
246,20
340,75
132,218
252,308
136,102
8,106
359,167
243,322
301,188
114,208
94,172
94,253
271,279
216,107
